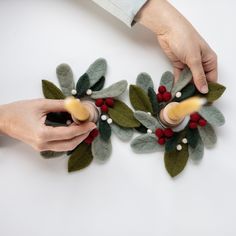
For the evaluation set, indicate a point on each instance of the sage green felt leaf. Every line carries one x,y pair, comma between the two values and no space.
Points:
99,85
139,99
146,143
153,99
51,91
175,161
101,149
80,158
82,85
196,153
208,135
114,90
174,141
122,115
186,92
147,120
144,81
104,130
124,134
65,78
215,91
212,115
51,154
193,137
97,70
184,79
167,80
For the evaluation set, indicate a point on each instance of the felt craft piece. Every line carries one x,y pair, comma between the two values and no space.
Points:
144,81
207,135
141,129
122,115
184,79
153,99
147,120
124,134
65,78
172,143
186,92
139,99
114,90
51,91
101,149
193,137
215,91
82,85
167,80
58,118
80,158
51,154
175,161
99,85
104,130
146,143
196,153
212,115
97,70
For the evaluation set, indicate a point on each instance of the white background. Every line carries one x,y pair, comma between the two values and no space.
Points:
131,194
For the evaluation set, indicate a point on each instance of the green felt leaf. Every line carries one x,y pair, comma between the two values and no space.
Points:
208,135
167,80
82,85
147,120
141,129
174,141
144,81
104,130
184,79
65,78
80,158
212,115
139,99
114,90
51,154
196,153
186,92
99,85
176,161
193,137
122,115
153,99
57,119
101,149
97,70
124,134
146,143
51,91
215,91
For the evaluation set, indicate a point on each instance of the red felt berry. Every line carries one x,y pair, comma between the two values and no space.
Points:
94,133
104,108
109,102
99,102
162,89
195,117
202,122
88,140
159,133
168,133
192,125
166,96
161,141
159,97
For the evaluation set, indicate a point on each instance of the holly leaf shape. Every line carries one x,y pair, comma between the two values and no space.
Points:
124,134
99,85
82,85
215,91
144,81
104,130
51,91
167,80
208,135
186,92
153,99
196,153
175,161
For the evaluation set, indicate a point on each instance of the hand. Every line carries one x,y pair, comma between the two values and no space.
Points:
180,41
24,121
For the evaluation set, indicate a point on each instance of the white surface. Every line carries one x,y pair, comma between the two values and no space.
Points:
131,194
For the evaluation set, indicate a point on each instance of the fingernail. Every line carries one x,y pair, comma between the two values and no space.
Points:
204,89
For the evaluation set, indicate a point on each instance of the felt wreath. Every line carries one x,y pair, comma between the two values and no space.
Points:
178,144
115,116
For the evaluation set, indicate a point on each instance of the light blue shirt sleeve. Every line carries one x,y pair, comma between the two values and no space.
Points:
125,10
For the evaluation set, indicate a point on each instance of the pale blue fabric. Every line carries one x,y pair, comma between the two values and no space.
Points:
125,10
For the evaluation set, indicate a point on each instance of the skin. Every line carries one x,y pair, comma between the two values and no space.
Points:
182,44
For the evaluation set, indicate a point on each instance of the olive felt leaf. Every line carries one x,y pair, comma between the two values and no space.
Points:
167,80
51,154
144,81
215,91
51,91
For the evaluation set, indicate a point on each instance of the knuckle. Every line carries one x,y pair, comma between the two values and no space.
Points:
194,61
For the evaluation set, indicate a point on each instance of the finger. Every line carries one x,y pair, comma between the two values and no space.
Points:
177,72
53,105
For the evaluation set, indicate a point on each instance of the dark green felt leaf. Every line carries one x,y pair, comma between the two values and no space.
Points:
51,154
193,137
215,91
80,158
174,141
141,129
139,99
57,119
153,98
122,115
175,161
186,92
82,85
104,130
51,91
99,85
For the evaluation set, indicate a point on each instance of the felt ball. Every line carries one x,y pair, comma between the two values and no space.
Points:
94,133
99,102
162,89
161,141
195,117
184,140
109,102
159,133
166,96
103,117
109,121
68,122
168,132
149,131
149,113
73,92
89,92
179,147
104,108
159,97
202,122
178,94
192,125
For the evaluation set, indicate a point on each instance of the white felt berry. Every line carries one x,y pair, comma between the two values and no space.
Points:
73,92
149,113
178,94
184,140
68,122
109,120
104,117
149,131
89,92
179,147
